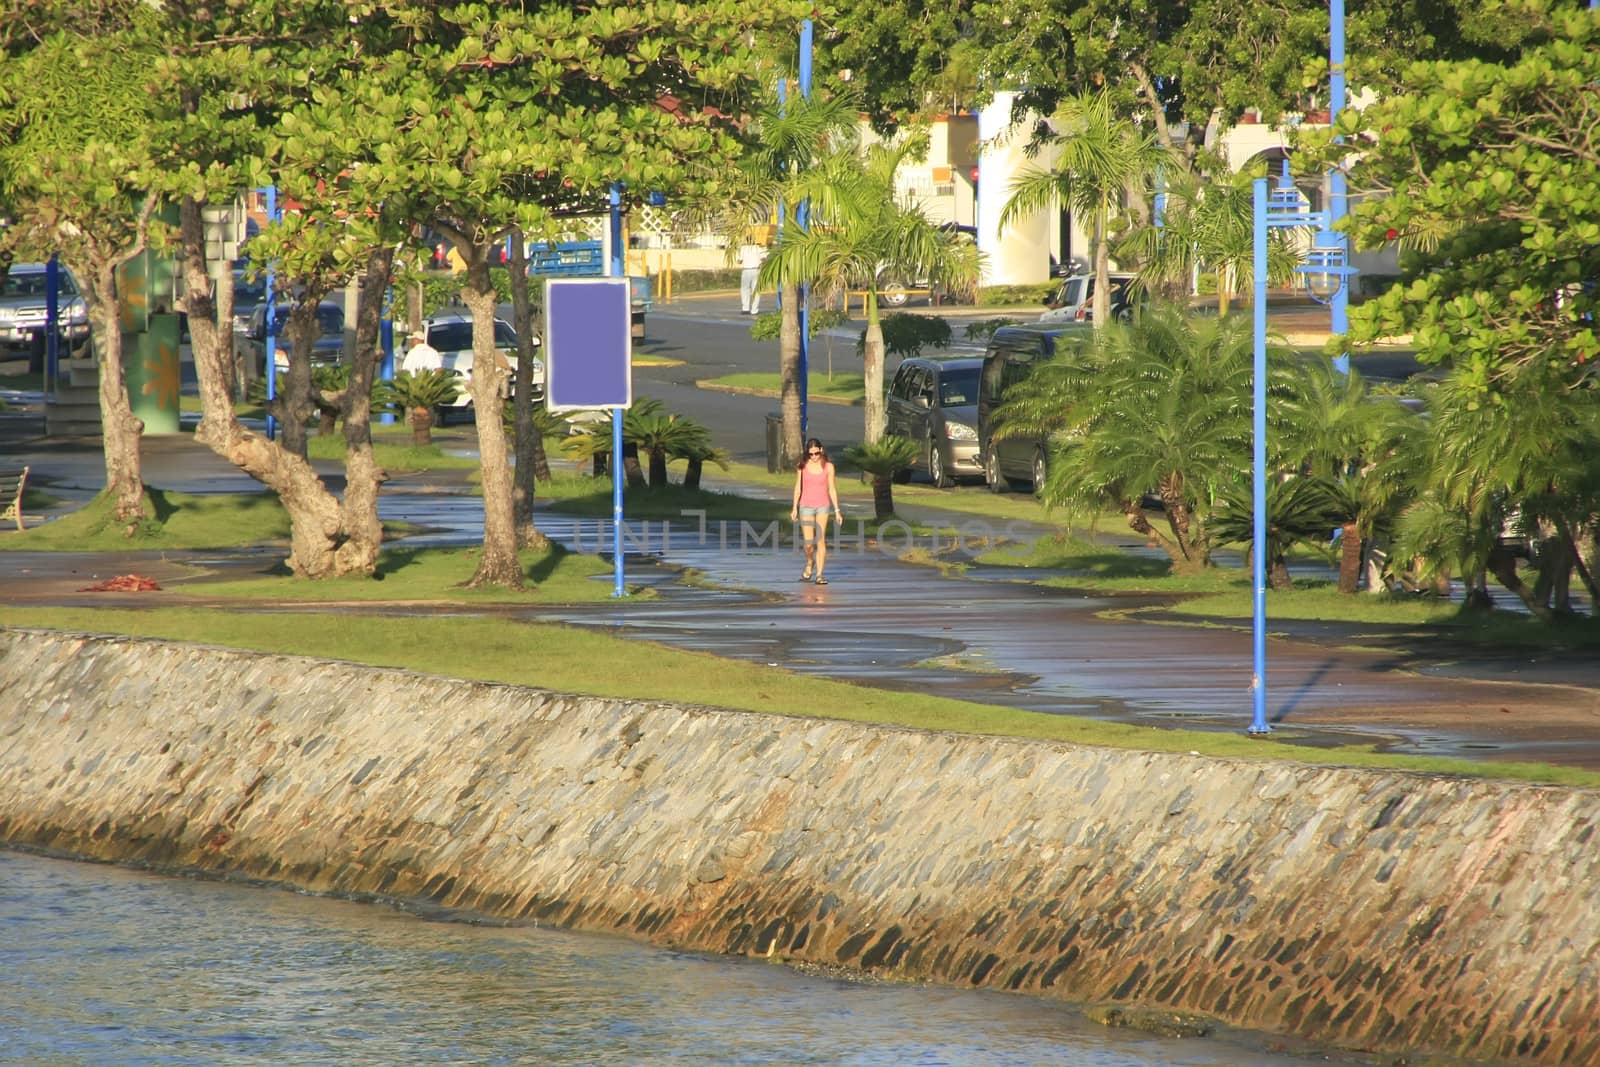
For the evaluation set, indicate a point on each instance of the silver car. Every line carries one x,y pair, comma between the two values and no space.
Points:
22,307
934,402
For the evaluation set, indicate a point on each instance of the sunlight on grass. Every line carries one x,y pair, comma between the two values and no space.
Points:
569,659
434,575
848,387
178,520
392,454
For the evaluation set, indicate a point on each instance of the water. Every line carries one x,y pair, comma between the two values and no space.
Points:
105,965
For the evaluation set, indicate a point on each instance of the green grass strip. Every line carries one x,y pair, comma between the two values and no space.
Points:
575,660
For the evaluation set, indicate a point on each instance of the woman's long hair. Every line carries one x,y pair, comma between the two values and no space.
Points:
805,454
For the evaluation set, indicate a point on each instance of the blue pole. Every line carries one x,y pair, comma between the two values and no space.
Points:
386,342
269,342
614,268
52,320
802,219
1258,477
1337,191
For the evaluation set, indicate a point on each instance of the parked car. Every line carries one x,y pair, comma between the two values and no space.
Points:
329,347
895,290
1013,354
1073,300
935,403
22,307
451,337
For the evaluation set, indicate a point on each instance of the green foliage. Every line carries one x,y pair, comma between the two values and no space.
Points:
886,456
769,326
1298,511
1032,295
428,390
905,334
703,281
983,329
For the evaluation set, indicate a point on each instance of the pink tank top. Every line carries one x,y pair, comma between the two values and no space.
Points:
814,486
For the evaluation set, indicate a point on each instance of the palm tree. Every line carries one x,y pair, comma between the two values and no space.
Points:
1101,155
417,395
696,455
1159,406
1337,431
860,228
661,436
787,139
1299,511
883,459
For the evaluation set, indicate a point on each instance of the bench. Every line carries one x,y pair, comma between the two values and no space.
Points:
12,483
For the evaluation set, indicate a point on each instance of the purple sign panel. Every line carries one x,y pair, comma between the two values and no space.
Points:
588,344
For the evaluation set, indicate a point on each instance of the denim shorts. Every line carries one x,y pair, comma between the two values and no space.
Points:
809,512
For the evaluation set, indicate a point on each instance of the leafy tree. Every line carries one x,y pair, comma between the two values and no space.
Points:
1101,156
75,170
905,333
1490,169
859,228
883,459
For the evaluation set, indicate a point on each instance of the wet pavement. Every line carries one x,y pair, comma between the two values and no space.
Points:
882,622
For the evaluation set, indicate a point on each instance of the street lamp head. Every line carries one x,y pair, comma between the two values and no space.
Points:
1325,268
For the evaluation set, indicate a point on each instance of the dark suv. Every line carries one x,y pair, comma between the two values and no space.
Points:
1013,354
935,403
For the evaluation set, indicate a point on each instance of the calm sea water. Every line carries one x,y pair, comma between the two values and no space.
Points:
101,965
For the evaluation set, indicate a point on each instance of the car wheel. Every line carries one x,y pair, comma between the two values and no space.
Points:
895,294
991,474
1039,471
937,474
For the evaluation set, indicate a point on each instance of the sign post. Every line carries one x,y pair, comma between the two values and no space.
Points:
588,354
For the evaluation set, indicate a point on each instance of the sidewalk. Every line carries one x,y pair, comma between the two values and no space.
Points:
982,636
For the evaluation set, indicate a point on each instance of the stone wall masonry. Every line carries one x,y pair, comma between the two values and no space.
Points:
1360,909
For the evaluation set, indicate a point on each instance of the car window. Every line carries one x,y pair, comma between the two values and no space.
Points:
330,319
1074,292
504,335
897,388
32,283
958,388
247,292
451,336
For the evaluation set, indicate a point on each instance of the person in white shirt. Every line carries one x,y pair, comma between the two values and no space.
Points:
750,257
421,355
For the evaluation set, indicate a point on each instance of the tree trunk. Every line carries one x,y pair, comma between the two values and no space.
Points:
1102,267
630,465
658,466
1350,558
872,372
224,320
883,497
294,403
363,531
793,444
691,473
316,528
529,445
1278,574
1503,565
498,565
121,431
421,421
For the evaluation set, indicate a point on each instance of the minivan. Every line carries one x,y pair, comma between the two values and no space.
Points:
934,403
1013,354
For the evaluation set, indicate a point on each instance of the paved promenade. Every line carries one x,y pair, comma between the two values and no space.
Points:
883,622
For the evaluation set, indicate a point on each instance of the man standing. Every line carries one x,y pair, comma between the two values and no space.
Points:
751,255
421,355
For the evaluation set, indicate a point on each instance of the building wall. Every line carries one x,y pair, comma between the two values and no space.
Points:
1383,911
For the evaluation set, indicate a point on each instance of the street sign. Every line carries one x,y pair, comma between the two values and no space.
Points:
588,345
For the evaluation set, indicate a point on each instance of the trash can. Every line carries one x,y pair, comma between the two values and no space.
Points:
774,441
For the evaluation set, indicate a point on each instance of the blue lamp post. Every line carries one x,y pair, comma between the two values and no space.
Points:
1337,192
1325,272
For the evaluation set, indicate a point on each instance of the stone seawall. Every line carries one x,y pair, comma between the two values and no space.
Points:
1359,909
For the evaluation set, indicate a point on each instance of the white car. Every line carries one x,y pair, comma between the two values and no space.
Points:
451,337
22,307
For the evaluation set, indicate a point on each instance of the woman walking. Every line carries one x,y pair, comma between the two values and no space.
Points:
814,497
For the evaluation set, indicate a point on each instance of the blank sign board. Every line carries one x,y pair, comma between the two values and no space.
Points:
588,346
